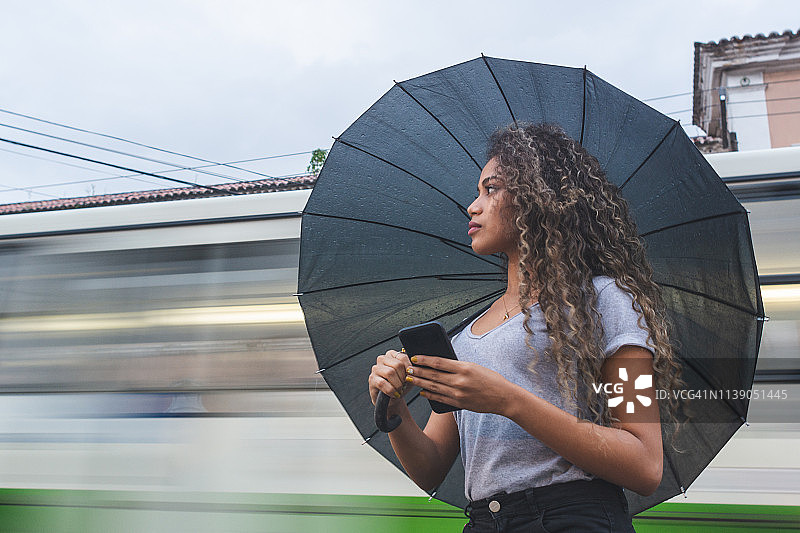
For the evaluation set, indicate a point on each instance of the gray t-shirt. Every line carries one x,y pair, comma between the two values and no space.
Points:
499,455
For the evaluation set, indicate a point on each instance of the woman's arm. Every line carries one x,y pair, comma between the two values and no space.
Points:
425,455
628,454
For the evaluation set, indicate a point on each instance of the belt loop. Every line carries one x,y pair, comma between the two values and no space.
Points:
468,513
531,498
624,502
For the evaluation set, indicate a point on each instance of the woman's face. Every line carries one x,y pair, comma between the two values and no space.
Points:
492,226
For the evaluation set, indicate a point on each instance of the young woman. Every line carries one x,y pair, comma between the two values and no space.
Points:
554,417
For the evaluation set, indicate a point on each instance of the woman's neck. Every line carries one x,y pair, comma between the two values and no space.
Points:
512,288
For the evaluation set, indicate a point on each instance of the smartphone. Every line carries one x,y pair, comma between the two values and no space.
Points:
429,338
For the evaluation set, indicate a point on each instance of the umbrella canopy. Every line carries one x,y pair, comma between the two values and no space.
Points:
384,242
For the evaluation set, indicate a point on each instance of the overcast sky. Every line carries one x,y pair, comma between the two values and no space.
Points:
234,80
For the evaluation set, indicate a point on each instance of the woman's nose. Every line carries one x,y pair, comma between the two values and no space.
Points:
473,208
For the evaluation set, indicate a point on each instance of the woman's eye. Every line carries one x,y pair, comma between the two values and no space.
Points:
490,188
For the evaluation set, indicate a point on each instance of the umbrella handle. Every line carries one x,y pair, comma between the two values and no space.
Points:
381,406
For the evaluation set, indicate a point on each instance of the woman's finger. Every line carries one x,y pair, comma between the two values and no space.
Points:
436,376
439,398
380,384
403,357
384,379
427,384
440,363
399,362
391,375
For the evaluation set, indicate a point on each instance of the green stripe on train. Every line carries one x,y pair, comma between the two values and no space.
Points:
86,511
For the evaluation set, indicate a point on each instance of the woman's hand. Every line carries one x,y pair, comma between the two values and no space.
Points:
388,376
461,384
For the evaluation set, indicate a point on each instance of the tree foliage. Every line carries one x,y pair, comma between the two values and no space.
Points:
317,159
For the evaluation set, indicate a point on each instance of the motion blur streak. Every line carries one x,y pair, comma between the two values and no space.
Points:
198,316
785,293
157,377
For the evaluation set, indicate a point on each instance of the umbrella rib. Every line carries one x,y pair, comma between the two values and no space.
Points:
712,298
497,255
583,110
486,62
646,159
443,277
448,313
440,123
443,240
672,467
703,219
401,169
463,324
725,398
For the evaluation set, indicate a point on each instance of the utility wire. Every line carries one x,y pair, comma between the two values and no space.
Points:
116,151
668,96
767,115
760,115
90,169
30,189
740,102
130,142
718,88
77,182
25,189
17,143
133,176
230,162
126,176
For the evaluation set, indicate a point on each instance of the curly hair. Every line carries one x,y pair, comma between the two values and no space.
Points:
573,225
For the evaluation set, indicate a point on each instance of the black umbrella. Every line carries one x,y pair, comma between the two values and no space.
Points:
384,242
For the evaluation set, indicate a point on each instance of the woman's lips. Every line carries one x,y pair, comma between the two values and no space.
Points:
473,229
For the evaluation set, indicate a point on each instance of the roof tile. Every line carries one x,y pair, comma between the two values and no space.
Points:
161,195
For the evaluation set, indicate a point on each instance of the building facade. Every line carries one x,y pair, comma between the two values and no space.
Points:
747,90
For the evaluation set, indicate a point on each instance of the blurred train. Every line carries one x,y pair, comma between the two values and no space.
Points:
157,376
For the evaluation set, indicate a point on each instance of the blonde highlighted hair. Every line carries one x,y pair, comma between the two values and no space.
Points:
573,225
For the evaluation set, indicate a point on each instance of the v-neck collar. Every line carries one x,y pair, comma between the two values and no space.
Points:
503,323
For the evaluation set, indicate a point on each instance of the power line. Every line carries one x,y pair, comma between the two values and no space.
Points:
129,176
116,151
29,191
740,102
30,117
767,114
17,143
760,115
23,154
230,162
718,88
753,85
133,176
76,182
668,96
261,158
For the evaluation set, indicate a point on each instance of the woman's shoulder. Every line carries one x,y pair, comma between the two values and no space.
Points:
607,290
612,296
601,282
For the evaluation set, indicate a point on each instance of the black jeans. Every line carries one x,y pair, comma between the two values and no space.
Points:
582,505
